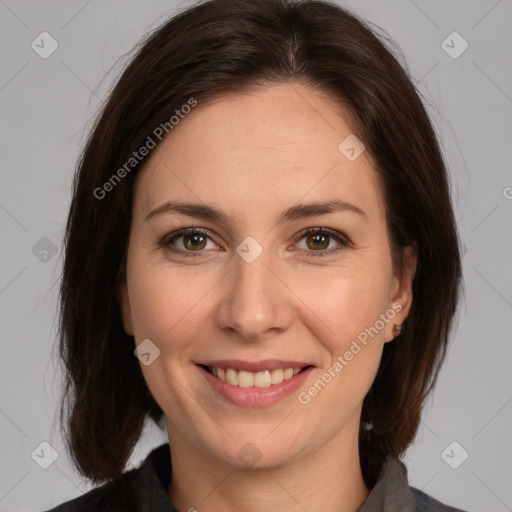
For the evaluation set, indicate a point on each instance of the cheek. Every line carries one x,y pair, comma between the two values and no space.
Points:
352,308
167,308
349,302
164,300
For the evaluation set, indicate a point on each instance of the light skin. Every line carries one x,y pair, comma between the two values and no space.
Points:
253,156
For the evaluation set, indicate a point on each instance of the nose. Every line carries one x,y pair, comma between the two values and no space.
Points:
255,301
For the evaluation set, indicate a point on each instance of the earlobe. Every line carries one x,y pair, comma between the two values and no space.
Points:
124,305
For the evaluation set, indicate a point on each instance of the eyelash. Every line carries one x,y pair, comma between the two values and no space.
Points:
167,239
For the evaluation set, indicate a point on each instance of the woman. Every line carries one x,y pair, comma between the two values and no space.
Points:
262,217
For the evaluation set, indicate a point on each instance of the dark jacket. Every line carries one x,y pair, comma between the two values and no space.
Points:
146,490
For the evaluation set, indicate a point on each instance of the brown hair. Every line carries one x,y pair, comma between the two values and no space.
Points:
210,49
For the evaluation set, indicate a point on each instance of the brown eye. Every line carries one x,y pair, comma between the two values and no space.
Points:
188,241
194,242
317,241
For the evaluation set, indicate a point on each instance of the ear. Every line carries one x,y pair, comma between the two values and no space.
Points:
401,293
126,312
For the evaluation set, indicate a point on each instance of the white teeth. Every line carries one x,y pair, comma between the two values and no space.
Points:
232,377
288,373
246,379
263,379
276,376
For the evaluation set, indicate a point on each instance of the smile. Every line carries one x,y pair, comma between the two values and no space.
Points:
245,379
254,384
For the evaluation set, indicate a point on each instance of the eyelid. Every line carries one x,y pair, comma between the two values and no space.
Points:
183,231
167,238
342,240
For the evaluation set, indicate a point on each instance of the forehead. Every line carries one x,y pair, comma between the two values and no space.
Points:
269,148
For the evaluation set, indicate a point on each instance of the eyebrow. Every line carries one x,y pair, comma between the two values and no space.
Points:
300,211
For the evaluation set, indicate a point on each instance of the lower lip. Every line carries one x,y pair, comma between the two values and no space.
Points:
253,396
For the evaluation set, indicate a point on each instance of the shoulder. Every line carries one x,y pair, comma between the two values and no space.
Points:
120,492
137,490
392,492
425,503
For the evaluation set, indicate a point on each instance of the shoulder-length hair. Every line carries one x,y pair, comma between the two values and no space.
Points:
225,46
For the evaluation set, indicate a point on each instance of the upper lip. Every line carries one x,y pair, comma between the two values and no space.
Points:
255,366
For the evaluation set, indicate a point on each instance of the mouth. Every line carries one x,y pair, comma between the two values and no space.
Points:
261,379
254,384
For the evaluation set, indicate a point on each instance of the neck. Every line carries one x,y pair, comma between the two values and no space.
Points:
328,480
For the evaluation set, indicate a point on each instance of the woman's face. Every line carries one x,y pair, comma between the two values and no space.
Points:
247,291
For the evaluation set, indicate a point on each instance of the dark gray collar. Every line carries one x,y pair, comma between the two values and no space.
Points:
392,493
146,490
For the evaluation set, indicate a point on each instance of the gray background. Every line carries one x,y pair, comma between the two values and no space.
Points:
47,105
